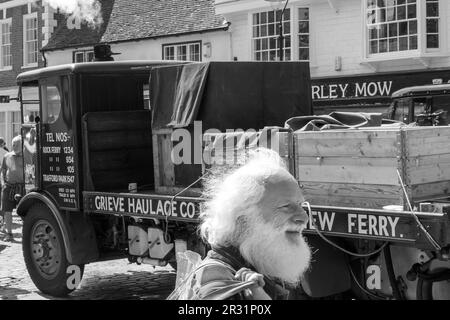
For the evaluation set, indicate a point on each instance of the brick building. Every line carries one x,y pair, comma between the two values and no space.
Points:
25,27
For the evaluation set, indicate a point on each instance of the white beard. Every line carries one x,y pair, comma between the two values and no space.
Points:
272,254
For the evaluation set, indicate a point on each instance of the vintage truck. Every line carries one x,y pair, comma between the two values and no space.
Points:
102,182
426,105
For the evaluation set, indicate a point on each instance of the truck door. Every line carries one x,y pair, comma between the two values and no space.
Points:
30,115
58,160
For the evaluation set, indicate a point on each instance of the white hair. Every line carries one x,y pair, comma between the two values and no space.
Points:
231,194
17,139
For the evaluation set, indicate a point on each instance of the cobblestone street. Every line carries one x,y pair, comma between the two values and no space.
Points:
109,280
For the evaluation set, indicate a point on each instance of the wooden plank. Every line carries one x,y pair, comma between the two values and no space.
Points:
427,132
117,121
286,150
426,146
126,158
191,192
348,174
232,149
427,160
427,140
161,131
351,202
352,190
354,143
156,159
348,161
119,180
427,174
426,191
109,140
166,167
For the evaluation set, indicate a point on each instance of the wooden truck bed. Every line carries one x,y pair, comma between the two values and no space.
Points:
358,168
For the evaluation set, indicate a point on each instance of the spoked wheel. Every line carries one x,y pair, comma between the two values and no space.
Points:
45,255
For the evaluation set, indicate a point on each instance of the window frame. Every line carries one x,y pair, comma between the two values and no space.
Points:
14,122
297,33
26,63
294,19
441,27
85,54
422,50
293,14
3,124
2,67
187,44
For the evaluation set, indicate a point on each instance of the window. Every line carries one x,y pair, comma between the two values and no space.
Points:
51,103
392,25
432,23
182,51
303,34
16,123
83,56
30,43
265,35
402,26
5,50
3,124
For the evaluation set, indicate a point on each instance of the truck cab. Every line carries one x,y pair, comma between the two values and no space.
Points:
424,105
87,128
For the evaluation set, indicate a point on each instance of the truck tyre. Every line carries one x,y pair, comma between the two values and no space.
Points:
45,255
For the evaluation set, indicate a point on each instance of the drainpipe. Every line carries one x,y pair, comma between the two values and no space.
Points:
45,58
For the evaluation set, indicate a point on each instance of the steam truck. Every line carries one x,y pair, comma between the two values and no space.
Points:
102,181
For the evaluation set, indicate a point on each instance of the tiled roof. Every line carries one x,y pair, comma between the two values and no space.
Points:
63,37
139,19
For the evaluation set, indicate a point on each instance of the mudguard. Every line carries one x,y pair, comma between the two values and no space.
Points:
77,230
328,273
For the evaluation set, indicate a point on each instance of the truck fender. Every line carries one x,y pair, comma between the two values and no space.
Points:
328,273
77,230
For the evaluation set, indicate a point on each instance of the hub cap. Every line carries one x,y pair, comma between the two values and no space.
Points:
45,249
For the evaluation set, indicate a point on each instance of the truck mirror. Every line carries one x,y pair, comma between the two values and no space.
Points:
4,99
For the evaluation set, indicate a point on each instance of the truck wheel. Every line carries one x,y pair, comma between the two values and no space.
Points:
45,255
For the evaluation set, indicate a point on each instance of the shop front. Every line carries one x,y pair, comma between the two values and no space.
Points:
367,93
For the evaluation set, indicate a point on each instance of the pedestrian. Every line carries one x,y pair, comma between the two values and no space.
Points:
3,151
12,182
29,156
253,220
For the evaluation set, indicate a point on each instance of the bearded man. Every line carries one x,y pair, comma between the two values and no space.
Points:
253,221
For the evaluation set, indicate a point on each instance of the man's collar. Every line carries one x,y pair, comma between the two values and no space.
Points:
232,256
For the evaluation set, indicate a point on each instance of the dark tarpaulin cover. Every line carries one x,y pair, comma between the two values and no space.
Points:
176,93
230,95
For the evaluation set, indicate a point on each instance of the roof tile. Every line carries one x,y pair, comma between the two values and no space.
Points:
139,19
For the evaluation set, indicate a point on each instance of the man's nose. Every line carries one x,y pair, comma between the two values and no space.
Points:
301,216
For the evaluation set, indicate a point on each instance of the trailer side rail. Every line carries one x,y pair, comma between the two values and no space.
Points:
356,223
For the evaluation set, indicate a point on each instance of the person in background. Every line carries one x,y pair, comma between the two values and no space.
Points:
3,151
253,220
12,182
